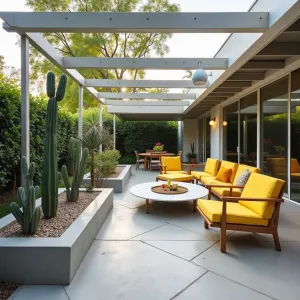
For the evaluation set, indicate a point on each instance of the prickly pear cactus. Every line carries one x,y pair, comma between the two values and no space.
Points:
72,190
50,171
29,218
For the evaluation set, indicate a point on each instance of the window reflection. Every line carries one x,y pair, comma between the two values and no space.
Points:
274,126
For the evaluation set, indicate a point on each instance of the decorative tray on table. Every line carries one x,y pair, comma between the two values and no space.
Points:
173,190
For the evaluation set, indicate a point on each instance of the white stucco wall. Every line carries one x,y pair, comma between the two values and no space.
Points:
216,133
190,135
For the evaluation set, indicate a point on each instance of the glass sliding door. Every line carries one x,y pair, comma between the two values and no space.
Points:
231,132
295,136
274,129
248,130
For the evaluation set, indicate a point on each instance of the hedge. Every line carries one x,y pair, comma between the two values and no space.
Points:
131,135
10,132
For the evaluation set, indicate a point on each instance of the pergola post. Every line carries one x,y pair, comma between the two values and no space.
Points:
80,105
114,131
179,136
101,123
25,121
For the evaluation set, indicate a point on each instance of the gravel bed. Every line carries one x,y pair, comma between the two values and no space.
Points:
67,212
118,171
7,289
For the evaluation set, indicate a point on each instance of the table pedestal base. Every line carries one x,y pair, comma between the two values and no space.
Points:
148,206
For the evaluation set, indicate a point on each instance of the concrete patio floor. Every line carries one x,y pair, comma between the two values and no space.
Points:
169,255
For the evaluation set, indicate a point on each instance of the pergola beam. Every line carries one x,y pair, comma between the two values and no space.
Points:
145,63
231,84
45,48
227,90
246,76
145,103
167,96
264,65
110,83
203,22
281,49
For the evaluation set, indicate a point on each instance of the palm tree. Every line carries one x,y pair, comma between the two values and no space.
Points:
93,137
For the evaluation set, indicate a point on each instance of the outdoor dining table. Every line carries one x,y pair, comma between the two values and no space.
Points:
153,155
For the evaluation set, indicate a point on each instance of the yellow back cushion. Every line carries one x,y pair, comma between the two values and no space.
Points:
212,166
173,163
295,168
241,169
277,165
224,174
230,165
261,186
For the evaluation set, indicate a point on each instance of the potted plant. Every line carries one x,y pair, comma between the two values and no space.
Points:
158,147
192,155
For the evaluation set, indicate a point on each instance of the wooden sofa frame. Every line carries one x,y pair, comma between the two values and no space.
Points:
272,227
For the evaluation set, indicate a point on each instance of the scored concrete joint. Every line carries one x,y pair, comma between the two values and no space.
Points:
53,260
117,184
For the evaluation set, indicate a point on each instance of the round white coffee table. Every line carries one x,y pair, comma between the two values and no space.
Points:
194,192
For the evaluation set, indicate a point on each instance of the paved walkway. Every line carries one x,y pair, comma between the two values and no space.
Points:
169,255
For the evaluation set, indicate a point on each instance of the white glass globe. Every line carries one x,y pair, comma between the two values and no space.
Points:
199,77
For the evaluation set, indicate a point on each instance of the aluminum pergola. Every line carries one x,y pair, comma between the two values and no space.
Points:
31,25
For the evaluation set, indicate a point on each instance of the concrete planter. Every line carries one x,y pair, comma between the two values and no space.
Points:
53,260
117,184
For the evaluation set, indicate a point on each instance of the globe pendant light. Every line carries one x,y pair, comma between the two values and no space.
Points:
199,76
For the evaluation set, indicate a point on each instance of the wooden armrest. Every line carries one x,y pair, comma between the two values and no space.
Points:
163,169
236,199
224,186
192,166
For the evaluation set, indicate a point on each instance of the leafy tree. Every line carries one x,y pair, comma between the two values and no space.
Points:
101,44
8,72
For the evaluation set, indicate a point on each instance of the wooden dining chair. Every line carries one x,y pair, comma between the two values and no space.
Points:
154,161
150,151
180,153
138,160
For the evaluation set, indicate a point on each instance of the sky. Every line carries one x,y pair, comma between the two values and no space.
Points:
181,45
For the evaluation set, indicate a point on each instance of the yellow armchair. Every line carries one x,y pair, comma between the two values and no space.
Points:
257,210
172,165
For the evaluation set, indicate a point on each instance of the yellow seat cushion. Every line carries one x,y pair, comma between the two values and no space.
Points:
224,174
261,186
175,177
177,172
295,168
207,180
235,213
173,163
212,166
198,175
226,191
241,169
230,165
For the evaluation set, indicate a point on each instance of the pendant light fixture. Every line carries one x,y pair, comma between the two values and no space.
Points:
199,77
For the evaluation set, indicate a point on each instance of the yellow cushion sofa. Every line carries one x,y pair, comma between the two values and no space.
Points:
210,170
221,189
257,210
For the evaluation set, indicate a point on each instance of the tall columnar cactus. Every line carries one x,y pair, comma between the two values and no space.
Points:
71,157
29,218
72,190
50,180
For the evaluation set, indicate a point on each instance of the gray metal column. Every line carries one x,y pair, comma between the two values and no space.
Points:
101,123
114,131
25,121
80,105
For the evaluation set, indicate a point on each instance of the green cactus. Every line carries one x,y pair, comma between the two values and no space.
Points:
80,165
71,157
29,218
50,171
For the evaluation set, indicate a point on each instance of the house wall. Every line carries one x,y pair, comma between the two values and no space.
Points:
190,135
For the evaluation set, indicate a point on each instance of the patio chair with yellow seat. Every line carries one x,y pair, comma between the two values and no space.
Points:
211,169
257,210
172,165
